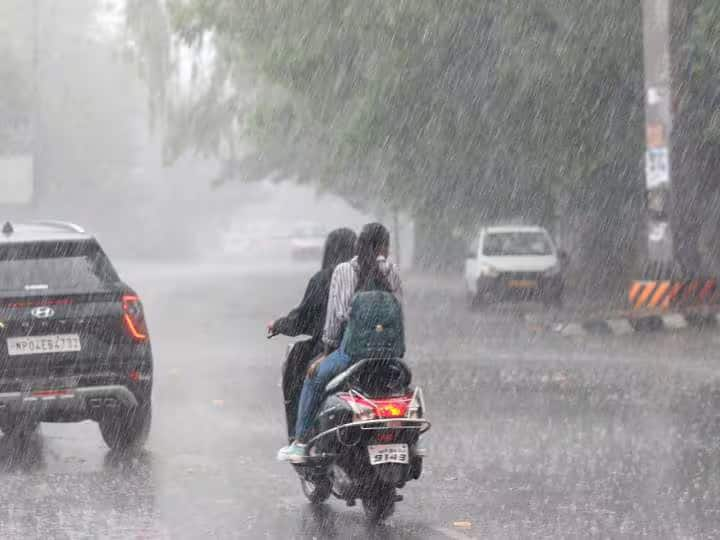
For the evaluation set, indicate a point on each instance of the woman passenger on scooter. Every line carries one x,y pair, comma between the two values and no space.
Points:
308,319
369,266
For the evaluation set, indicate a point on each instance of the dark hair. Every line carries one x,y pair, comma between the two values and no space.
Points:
339,248
374,238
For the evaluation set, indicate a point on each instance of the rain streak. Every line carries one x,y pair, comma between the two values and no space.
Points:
408,269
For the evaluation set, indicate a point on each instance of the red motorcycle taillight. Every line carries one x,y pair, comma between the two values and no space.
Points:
134,318
380,409
392,408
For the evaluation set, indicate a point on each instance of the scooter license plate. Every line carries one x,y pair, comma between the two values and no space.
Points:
388,453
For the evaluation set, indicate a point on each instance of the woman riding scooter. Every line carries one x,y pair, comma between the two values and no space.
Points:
308,319
370,266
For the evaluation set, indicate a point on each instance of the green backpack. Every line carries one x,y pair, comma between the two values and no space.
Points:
375,328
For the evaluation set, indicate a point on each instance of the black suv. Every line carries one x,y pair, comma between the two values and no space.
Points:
73,340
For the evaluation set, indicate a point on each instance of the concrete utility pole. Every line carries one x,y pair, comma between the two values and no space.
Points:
658,117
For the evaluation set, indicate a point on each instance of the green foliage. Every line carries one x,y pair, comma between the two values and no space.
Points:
701,97
455,110
428,103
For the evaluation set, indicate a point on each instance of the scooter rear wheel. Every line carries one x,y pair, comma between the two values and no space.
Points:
318,491
379,506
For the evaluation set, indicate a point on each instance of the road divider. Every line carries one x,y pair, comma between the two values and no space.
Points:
633,322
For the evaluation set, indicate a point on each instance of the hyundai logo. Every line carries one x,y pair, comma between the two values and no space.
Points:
43,312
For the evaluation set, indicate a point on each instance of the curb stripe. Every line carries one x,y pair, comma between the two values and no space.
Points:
675,321
620,327
635,290
662,288
707,290
573,329
691,288
646,294
676,289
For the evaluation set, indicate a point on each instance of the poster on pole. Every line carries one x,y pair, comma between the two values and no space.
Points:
657,167
660,244
655,136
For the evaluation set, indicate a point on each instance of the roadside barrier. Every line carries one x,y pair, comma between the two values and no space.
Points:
666,295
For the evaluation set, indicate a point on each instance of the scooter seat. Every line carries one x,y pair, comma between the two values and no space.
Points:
373,375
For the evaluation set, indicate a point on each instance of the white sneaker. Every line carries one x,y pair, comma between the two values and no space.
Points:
295,453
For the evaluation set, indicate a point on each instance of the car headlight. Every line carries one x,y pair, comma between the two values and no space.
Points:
489,271
552,271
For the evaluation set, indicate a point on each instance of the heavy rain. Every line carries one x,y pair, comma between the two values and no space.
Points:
392,269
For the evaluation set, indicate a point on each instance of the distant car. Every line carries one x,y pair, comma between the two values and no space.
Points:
74,344
254,239
307,242
514,263
242,236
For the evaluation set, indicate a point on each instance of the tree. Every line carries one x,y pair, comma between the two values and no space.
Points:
484,111
696,130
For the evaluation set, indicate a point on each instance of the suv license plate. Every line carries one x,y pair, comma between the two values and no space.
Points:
522,284
56,343
388,453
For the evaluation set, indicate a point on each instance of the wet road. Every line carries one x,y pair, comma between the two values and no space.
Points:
534,436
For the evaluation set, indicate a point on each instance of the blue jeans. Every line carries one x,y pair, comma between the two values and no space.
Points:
314,388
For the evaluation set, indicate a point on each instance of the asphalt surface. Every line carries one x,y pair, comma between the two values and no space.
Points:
534,435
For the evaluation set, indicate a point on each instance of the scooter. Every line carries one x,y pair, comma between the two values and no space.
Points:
364,443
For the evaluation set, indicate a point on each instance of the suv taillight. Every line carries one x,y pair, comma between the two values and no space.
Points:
134,318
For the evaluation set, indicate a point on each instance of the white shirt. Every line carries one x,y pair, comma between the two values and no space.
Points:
342,289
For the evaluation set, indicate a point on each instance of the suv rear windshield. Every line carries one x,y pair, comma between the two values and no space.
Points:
516,244
54,266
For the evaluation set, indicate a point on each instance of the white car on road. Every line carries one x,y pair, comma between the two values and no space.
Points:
514,263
